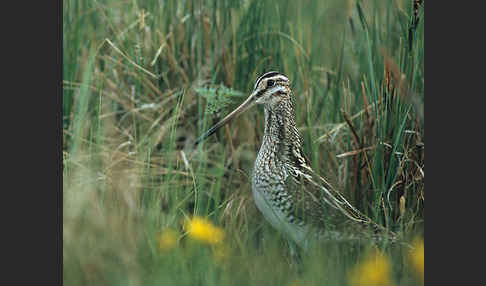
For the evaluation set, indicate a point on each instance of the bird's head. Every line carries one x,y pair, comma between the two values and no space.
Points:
269,89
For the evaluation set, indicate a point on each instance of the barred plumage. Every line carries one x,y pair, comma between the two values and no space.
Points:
289,194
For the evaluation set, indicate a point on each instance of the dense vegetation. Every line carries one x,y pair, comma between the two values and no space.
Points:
142,79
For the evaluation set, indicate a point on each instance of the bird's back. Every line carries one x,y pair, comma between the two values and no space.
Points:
291,196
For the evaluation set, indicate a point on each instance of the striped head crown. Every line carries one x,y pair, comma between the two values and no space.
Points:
271,87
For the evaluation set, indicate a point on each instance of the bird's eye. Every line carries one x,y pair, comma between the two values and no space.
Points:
270,83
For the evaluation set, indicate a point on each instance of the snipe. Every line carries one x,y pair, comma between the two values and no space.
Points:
290,195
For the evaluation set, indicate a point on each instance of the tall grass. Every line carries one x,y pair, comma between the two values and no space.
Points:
142,79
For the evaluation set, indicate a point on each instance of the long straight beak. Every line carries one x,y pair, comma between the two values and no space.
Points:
249,102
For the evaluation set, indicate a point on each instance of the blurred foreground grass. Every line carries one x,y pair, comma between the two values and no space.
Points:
142,79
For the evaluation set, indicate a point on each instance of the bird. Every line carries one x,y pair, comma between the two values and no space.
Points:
291,196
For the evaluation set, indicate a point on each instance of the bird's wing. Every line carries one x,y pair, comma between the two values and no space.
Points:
317,202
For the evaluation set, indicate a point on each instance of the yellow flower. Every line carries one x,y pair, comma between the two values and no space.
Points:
203,230
373,271
417,257
167,239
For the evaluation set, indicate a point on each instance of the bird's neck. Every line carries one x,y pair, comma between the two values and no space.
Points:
281,137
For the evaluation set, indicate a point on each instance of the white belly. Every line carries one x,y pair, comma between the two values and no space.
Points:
278,220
